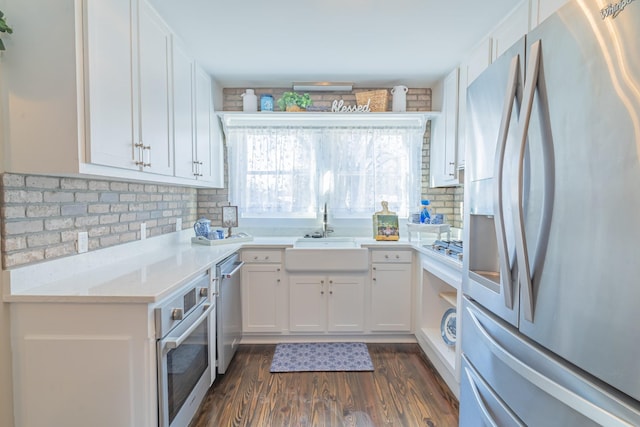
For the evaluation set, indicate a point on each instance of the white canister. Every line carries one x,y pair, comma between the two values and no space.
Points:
249,101
399,104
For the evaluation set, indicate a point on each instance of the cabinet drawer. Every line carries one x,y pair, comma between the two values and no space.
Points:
269,256
390,256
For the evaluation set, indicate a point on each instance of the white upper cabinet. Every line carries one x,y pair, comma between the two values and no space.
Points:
444,140
155,106
110,104
183,122
542,9
198,149
510,30
89,91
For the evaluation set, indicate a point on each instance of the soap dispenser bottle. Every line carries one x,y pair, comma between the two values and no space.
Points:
425,217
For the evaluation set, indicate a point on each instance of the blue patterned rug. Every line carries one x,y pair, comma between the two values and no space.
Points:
328,356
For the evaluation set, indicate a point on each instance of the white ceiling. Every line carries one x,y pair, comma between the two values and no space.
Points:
372,43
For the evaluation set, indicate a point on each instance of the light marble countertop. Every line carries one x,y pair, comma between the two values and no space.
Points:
138,272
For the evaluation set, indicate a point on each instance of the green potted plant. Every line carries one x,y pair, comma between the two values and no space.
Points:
291,101
4,28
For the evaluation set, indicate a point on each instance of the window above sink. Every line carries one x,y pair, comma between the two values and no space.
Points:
286,165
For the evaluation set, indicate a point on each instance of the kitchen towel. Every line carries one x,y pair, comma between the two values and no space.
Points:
330,356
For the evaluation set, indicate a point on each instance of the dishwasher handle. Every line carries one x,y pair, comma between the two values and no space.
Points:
237,266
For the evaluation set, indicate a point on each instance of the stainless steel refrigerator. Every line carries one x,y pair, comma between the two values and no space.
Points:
551,279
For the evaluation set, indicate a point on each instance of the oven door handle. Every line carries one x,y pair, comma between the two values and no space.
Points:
171,343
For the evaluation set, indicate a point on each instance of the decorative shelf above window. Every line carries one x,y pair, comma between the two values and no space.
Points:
412,120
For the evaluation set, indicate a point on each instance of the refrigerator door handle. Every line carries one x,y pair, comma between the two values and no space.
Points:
498,205
546,384
476,394
522,255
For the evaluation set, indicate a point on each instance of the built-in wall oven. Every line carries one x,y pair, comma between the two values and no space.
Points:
185,350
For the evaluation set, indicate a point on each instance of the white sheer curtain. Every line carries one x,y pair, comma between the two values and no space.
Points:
288,172
369,165
273,171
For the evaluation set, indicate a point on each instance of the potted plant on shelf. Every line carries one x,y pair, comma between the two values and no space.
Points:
4,28
291,101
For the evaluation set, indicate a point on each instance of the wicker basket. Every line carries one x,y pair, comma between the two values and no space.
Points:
378,99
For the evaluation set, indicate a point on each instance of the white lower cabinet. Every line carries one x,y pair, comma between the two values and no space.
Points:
263,292
391,291
84,364
326,303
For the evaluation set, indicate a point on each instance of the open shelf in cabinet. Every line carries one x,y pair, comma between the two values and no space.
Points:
439,292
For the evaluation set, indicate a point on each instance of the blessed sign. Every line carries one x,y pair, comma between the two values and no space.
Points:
339,107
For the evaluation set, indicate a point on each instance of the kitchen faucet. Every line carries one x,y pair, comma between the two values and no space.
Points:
325,226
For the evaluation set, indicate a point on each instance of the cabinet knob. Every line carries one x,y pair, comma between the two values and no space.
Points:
386,256
267,257
374,279
177,314
322,281
330,292
278,280
397,256
321,292
255,257
277,269
330,281
373,268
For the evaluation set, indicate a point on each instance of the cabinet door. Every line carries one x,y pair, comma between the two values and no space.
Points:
307,304
183,120
261,298
110,92
445,138
203,109
391,297
346,304
155,107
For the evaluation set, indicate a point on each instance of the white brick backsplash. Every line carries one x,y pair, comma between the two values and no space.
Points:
43,239
99,185
57,251
119,186
42,182
11,180
86,197
58,197
34,211
11,244
106,209
22,196
58,223
12,212
23,257
23,227
73,209
73,184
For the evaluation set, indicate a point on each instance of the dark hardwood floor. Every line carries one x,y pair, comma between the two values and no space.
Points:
403,390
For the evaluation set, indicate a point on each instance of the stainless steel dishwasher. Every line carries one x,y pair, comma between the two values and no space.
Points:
229,309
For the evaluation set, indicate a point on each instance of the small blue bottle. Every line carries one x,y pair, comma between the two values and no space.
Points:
425,217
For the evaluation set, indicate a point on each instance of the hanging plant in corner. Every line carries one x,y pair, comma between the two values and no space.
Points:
4,28
291,101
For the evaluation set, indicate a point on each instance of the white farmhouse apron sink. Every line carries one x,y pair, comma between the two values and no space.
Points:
335,259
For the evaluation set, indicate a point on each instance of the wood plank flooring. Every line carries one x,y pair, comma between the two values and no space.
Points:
403,390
